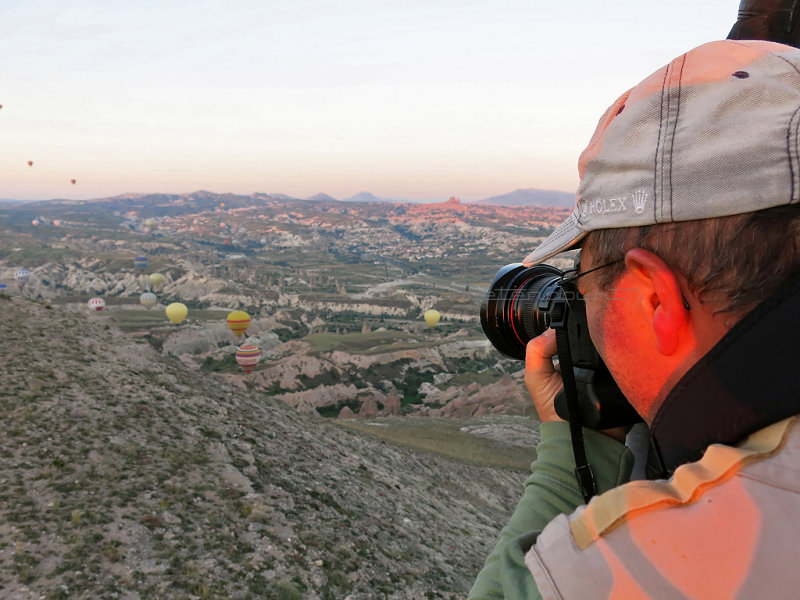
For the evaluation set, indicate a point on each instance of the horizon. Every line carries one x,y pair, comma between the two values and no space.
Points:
419,101
287,196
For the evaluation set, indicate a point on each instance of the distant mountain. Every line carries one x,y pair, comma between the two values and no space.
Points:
275,196
322,198
366,197
532,197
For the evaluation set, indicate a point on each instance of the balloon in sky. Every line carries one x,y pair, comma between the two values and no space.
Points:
73,181
156,279
238,321
432,317
176,312
22,276
248,356
140,262
97,304
148,299
30,163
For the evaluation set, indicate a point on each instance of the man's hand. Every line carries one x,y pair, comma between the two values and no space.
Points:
541,377
544,382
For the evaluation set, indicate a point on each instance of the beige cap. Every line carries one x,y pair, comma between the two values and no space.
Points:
712,134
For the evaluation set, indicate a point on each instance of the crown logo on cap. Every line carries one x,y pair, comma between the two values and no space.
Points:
639,200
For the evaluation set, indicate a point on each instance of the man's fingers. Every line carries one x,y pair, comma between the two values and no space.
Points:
539,352
540,376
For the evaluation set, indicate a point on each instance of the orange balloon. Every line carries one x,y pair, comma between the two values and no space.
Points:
30,163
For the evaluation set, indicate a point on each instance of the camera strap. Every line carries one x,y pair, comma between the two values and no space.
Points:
746,382
583,471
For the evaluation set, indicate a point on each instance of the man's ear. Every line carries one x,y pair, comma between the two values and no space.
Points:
660,297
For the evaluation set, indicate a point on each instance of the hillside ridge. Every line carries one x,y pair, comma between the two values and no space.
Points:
125,475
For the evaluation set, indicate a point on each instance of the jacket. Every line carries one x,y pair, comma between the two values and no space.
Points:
720,528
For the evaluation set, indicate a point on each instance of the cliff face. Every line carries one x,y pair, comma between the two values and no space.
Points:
126,475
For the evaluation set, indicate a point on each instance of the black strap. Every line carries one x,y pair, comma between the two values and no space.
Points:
773,20
583,471
747,381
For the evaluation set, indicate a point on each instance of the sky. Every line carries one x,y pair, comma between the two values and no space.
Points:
406,99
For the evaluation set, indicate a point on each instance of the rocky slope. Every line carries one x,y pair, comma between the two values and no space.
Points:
125,475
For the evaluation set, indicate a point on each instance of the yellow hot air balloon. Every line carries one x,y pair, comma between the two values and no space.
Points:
432,317
156,279
176,312
238,321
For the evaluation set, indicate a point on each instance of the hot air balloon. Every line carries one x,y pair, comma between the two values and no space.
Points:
35,222
22,276
97,304
156,279
30,163
140,262
176,312
238,321
248,356
73,181
148,299
432,317
150,222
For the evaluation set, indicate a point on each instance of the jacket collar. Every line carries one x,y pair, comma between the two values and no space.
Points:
749,380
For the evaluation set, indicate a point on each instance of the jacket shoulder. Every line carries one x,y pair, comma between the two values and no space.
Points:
705,533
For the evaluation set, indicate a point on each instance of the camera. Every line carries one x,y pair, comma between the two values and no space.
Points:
522,303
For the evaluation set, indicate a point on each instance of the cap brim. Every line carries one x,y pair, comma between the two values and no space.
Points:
563,238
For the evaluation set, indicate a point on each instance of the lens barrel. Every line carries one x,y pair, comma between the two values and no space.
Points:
517,306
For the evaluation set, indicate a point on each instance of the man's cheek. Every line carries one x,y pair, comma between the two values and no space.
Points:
594,319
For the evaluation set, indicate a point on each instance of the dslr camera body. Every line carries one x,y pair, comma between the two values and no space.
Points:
521,303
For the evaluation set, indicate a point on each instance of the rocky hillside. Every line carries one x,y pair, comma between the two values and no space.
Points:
123,474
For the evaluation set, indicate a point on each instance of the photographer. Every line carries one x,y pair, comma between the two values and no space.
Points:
688,220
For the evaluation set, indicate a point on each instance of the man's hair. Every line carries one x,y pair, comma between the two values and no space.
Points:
730,263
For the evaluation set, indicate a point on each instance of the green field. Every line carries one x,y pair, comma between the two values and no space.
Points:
129,320
374,342
444,437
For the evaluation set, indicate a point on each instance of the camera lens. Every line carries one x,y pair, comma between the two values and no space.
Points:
517,306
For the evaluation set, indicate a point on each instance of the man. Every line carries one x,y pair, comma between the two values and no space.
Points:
688,216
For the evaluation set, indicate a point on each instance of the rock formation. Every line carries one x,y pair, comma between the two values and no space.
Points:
346,413
391,407
369,408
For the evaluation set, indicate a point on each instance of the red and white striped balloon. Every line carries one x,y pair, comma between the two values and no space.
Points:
97,304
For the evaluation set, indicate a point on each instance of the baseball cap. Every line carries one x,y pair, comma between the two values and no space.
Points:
714,133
